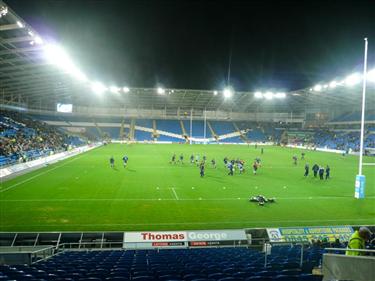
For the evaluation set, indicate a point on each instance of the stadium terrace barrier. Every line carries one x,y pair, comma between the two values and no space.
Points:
25,254
38,163
342,267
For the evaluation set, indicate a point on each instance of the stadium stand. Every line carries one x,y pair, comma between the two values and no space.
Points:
221,131
172,126
222,264
354,116
23,139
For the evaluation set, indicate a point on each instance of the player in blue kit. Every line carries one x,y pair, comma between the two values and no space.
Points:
125,160
112,162
201,169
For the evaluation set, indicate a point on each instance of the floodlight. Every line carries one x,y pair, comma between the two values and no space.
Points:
311,89
215,93
30,33
317,88
353,79
98,88
268,95
126,90
57,55
79,75
38,40
371,75
114,89
32,43
333,84
227,93
325,86
161,91
20,24
258,95
280,95
3,11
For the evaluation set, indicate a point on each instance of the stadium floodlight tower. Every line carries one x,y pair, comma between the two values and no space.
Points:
360,179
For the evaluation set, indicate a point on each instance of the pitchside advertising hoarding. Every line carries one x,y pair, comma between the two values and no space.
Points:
173,239
306,234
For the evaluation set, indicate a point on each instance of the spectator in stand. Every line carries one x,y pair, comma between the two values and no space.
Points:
358,241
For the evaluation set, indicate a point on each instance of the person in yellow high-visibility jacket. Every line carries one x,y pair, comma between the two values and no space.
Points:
358,241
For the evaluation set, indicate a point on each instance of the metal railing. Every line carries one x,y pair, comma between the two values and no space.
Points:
368,251
30,254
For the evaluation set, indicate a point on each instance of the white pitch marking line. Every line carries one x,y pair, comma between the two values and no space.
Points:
175,194
37,175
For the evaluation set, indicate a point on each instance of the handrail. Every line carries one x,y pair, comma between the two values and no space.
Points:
349,250
24,249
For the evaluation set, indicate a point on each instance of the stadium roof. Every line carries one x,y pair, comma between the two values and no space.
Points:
26,76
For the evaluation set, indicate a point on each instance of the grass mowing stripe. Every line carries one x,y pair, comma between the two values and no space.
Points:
38,175
173,199
218,222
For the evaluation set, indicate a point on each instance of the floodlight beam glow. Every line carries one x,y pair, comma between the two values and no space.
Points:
56,55
317,88
333,84
114,89
258,95
126,90
280,95
353,79
98,88
371,75
161,91
227,93
268,95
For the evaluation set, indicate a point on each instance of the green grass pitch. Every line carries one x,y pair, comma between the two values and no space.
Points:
84,194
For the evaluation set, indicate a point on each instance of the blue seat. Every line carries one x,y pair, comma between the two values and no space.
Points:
231,279
286,278
259,278
190,277
143,278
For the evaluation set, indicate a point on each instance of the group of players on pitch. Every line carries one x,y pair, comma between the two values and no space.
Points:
229,164
125,160
316,169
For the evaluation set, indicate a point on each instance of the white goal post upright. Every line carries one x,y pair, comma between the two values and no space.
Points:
191,125
360,180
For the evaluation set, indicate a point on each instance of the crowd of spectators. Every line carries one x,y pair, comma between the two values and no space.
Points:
20,135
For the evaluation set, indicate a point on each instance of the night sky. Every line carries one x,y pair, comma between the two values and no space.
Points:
187,44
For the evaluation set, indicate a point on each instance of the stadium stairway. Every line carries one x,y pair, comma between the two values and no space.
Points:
122,129
154,132
98,128
184,133
132,129
221,264
230,135
242,136
213,134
